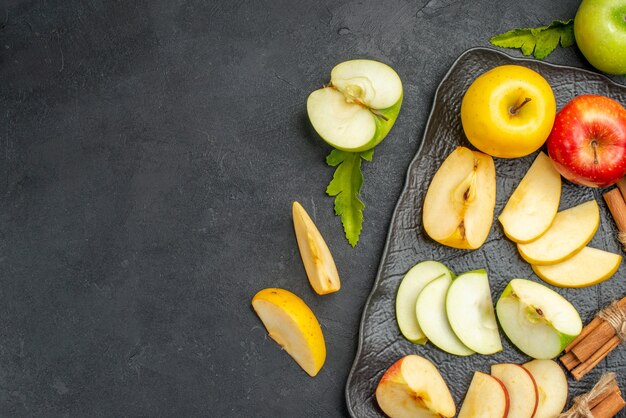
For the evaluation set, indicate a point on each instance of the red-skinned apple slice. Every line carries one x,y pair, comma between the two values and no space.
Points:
521,387
551,386
588,141
486,397
413,387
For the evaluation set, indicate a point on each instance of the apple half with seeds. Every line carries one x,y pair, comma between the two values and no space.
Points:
537,320
357,109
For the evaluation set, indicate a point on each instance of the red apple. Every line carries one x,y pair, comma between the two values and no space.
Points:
588,141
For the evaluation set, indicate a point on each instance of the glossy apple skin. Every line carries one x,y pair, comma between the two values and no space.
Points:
487,117
588,141
600,31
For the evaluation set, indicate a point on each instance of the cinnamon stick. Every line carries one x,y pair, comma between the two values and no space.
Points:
586,331
588,346
604,400
621,185
569,360
617,206
586,366
609,407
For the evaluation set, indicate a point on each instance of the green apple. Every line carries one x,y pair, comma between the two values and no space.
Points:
470,312
356,110
537,320
600,31
412,284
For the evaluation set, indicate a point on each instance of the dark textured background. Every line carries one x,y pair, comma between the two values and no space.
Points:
150,153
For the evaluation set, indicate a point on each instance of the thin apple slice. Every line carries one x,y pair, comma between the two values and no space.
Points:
587,267
359,106
533,205
316,257
470,312
551,385
459,203
486,398
432,318
292,324
413,387
537,320
521,387
412,284
571,230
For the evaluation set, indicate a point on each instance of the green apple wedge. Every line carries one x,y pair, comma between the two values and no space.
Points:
412,284
537,320
357,109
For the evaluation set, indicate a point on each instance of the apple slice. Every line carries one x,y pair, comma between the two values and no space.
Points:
316,257
521,387
537,320
470,312
412,284
551,385
532,207
359,107
459,203
587,267
292,324
413,387
571,230
432,319
486,398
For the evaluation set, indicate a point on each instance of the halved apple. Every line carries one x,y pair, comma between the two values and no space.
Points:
571,230
292,324
316,257
551,385
358,107
413,387
486,398
470,312
432,318
412,284
587,267
521,387
459,203
533,205
537,320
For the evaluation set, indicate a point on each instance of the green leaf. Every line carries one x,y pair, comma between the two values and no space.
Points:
346,188
539,41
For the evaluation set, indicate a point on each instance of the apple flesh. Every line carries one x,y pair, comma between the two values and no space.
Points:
412,284
316,257
551,387
570,231
413,387
521,387
533,205
486,397
358,108
588,141
587,267
433,320
458,207
537,320
600,31
470,312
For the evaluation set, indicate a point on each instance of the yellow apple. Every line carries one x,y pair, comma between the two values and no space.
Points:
587,267
486,397
571,230
413,387
316,257
292,324
459,203
534,203
508,111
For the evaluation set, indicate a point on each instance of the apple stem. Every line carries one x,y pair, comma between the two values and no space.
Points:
513,110
594,145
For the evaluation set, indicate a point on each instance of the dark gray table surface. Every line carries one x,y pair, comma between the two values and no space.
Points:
150,154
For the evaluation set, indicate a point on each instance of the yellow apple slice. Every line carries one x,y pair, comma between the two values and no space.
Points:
291,323
521,387
318,262
459,203
552,388
413,387
534,203
486,397
587,267
571,230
